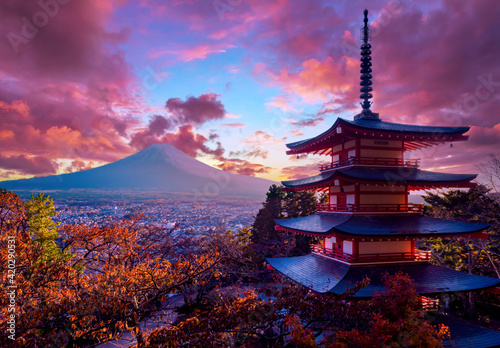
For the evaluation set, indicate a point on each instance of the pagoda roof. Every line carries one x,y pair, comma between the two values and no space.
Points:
324,275
467,335
431,133
386,175
397,225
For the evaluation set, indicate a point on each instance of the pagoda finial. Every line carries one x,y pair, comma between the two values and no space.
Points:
366,76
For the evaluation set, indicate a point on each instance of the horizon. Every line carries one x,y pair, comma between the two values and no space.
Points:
86,84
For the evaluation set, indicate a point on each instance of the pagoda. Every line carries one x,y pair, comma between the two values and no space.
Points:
368,227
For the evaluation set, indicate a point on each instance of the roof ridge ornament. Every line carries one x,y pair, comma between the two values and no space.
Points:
366,76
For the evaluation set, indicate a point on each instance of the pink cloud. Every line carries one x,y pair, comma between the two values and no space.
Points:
196,110
233,125
29,165
201,51
63,83
244,167
299,172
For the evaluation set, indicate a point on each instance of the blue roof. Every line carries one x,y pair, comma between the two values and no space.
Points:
386,175
467,335
378,125
324,275
401,225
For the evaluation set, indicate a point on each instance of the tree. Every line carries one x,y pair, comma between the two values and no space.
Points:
293,316
40,210
263,227
280,204
396,321
475,256
491,171
116,276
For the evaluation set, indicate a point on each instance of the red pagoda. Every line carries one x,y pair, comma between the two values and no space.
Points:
368,227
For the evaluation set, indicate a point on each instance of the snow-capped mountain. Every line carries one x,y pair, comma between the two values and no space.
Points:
158,168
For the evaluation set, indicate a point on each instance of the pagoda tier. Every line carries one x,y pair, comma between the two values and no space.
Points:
414,179
376,239
324,275
361,227
371,134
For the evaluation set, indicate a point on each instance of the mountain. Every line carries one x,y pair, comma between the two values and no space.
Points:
160,168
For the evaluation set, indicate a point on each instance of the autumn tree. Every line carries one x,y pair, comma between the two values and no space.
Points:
116,277
293,316
396,321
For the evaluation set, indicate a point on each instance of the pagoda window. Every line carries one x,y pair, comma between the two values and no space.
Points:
350,199
351,153
333,199
347,247
330,242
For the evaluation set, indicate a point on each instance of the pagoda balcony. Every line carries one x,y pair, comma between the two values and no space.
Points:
370,208
371,161
415,256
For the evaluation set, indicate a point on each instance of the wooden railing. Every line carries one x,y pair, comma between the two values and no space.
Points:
371,161
429,304
418,255
389,208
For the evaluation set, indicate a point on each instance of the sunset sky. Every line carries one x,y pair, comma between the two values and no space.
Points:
87,82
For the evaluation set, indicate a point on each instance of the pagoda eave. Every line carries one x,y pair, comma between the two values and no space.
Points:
380,226
323,275
381,237
414,137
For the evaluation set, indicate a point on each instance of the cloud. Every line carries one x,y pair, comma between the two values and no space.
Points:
299,172
250,153
79,165
244,167
308,122
281,103
233,125
187,54
261,137
65,85
296,132
29,165
196,110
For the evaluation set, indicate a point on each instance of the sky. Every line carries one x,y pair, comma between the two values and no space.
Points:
230,82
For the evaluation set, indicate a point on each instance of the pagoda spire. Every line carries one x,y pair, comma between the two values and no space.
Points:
366,76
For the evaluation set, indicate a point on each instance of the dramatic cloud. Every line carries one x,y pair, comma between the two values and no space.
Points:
29,165
63,81
157,127
78,165
196,110
239,166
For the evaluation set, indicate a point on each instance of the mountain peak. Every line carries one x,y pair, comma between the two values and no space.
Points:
158,168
